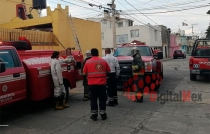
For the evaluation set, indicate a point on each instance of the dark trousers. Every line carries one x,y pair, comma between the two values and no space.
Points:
139,91
86,92
98,92
112,87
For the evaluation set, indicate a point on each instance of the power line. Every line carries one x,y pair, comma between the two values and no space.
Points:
174,13
174,10
140,12
78,5
126,8
144,25
169,5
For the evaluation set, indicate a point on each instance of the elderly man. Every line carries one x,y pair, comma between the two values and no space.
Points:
112,77
138,72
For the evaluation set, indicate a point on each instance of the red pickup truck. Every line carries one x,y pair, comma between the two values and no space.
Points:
153,66
199,62
25,73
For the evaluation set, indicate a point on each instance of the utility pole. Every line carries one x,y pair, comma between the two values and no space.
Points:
192,27
113,18
113,6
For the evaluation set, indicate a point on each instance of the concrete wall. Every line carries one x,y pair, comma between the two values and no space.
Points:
165,40
8,9
183,44
173,45
146,34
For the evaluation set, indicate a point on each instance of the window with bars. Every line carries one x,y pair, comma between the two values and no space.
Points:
120,24
130,23
134,33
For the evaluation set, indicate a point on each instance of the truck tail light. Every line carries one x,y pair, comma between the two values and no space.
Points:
148,66
191,62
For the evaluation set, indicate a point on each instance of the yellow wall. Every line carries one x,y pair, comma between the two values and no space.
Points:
88,32
8,9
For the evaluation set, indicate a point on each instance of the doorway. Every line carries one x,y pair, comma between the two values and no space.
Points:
166,52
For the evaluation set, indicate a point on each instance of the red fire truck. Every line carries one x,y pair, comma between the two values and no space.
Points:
199,63
153,66
25,73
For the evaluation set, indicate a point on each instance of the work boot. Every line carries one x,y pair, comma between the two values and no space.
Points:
58,107
139,100
104,116
85,99
64,104
94,117
115,102
110,103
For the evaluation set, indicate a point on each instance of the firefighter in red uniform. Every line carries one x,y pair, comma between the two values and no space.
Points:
96,70
138,72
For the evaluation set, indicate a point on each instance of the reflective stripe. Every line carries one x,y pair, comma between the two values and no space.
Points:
102,111
97,73
111,99
94,111
138,73
46,72
10,78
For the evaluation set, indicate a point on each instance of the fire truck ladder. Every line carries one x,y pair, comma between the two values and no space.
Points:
74,33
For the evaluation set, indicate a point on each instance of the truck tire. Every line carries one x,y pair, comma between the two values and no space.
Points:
192,77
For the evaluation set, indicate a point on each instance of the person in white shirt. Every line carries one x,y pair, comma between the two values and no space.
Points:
59,89
112,77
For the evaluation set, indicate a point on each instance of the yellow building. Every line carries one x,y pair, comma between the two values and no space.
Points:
9,9
88,32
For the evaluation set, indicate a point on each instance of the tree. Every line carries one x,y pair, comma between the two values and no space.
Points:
208,32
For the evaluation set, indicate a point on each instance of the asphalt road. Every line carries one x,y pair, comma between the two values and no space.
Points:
171,117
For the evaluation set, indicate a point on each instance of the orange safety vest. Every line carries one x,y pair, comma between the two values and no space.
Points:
96,69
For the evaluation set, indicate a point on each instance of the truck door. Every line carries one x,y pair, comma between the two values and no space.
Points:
12,81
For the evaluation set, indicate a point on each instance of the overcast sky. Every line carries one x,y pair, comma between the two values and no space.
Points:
155,12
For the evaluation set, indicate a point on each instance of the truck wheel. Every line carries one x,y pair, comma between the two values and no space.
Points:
161,74
193,77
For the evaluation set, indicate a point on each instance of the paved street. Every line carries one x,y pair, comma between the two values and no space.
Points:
126,118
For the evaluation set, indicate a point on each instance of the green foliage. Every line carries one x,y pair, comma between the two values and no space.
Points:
208,32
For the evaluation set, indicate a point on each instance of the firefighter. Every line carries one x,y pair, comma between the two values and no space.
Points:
138,73
96,69
59,89
112,77
85,84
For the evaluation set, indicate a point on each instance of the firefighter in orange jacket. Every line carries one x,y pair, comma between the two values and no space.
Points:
138,72
96,70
